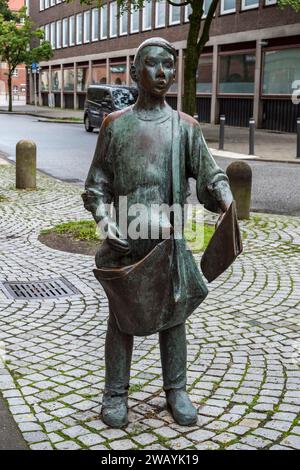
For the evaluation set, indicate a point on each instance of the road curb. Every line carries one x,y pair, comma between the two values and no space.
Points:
242,156
10,435
47,118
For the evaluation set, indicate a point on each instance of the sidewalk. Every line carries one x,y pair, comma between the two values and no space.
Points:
243,341
270,146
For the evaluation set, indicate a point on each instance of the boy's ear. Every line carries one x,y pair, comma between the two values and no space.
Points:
133,73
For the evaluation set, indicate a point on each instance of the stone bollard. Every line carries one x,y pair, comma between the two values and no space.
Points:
240,178
26,165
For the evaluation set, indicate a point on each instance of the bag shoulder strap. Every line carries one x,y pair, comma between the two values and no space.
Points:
176,186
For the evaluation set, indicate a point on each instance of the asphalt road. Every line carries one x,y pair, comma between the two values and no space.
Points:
65,151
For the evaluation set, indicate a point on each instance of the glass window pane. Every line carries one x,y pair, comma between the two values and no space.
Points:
135,21
69,80
47,36
118,74
113,19
95,24
58,34
56,80
124,23
52,29
281,69
160,13
82,78
45,80
103,12
249,4
237,73
174,13
99,74
147,15
204,75
227,6
72,30
79,28
86,23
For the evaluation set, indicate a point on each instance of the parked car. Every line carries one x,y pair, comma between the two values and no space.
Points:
104,99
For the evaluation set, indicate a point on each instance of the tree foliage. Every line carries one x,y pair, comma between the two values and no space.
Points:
5,11
16,37
294,4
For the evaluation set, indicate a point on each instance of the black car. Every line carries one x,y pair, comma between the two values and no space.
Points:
104,99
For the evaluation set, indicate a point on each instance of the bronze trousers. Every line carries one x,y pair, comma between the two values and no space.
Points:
118,354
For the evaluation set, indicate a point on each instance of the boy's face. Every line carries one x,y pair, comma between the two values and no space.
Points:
156,70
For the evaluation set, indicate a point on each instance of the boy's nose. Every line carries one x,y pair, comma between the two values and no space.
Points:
160,71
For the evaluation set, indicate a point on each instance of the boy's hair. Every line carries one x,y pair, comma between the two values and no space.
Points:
159,42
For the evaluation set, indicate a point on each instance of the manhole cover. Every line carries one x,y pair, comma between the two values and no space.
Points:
48,289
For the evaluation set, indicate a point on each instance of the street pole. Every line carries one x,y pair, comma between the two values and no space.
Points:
34,81
251,136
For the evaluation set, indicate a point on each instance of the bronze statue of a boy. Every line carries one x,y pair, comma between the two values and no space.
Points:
133,158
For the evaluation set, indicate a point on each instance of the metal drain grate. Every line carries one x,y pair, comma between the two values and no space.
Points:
48,289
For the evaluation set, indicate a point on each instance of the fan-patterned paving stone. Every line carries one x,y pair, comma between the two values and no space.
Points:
243,341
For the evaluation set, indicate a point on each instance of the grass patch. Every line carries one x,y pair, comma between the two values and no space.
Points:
2,198
87,230
81,230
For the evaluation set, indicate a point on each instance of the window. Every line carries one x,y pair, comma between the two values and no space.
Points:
248,4
204,74
42,5
206,6
270,2
58,1
52,3
82,78
47,32
99,74
237,73
281,69
15,73
187,12
65,32
227,6
69,80
87,26
113,19
147,16
95,24
124,24
58,34
135,21
56,80
47,4
72,30
44,80
174,13
79,28
103,29
52,29
160,13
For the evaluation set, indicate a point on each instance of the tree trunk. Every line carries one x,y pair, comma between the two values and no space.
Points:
191,60
9,84
190,83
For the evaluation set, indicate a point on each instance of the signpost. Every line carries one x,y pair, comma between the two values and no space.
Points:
34,71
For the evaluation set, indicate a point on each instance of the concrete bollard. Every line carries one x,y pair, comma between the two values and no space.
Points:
26,164
251,136
240,178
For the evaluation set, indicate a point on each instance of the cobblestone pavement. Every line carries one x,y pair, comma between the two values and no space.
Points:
243,352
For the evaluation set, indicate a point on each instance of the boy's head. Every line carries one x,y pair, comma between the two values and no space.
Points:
153,68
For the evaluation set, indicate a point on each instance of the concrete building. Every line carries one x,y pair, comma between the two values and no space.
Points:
19,76
249,67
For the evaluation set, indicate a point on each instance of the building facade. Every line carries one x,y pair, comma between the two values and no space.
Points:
250,66
19,76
